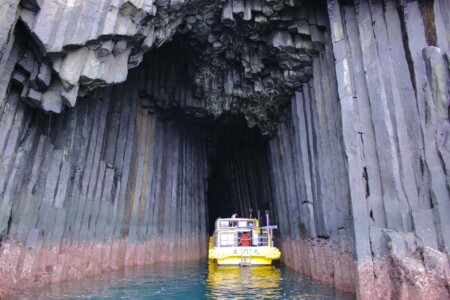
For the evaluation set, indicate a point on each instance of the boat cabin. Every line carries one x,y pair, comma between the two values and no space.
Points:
241,241
243,232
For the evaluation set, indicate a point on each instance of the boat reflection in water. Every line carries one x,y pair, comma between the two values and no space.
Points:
261,282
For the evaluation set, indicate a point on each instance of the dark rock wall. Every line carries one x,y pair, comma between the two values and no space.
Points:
98,187
393,93
360,160
8,17
311,189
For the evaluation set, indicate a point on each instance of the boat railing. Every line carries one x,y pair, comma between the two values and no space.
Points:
270,227
256,240
245,237
262,240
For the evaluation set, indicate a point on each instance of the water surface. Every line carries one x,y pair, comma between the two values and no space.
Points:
197,280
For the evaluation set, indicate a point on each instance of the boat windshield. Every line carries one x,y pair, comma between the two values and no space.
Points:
236,223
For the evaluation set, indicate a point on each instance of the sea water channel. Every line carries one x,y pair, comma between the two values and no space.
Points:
198,280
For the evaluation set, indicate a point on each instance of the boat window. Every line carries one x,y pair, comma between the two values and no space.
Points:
242,224
224,224
227,239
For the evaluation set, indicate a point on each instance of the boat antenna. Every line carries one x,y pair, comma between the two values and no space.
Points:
251,212
269,229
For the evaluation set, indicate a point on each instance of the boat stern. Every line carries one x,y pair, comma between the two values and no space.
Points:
244,255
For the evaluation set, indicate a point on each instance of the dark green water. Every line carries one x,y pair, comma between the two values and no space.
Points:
191,281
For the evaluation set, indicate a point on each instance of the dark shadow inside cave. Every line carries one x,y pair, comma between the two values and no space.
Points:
239,181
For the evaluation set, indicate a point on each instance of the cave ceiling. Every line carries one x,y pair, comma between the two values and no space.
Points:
246,57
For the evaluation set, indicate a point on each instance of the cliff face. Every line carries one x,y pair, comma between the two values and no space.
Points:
106,189
362,156
124,132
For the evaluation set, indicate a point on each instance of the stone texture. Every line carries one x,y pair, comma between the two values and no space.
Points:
120,32
366,38
73,206
8,19
109,134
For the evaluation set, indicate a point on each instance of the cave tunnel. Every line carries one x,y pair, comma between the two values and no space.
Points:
239,173
197,130
240,179
208,123
282,156
122,141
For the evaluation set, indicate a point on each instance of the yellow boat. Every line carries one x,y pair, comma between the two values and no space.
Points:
240,241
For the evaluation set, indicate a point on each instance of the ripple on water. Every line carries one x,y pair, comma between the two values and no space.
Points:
197,280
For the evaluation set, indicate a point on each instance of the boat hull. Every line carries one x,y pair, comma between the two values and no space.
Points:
250,256
237,261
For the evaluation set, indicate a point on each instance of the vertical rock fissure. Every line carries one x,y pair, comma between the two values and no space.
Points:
401,13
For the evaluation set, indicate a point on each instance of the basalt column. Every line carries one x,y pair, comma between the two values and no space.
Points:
391,62
310,187
104,185
111,153
360,158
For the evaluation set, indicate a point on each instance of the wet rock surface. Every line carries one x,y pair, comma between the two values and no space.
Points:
124,130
